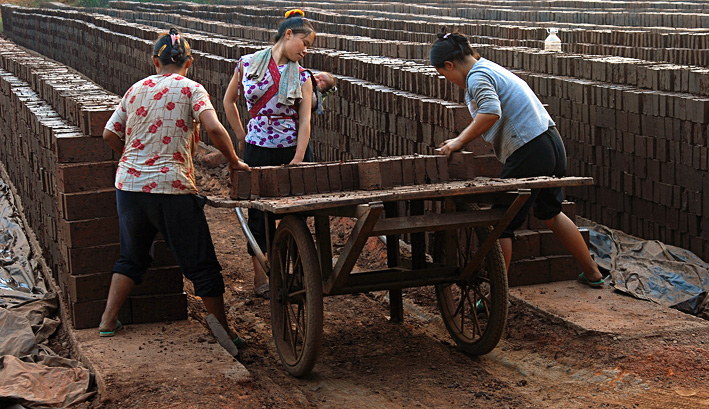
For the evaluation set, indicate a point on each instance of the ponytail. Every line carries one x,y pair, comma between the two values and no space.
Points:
296,22
171,48
451,47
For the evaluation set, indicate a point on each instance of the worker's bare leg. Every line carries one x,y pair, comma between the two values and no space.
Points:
121,287
506,244
571,238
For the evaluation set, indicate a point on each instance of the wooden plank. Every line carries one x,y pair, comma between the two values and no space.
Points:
436,222
476,186
353,247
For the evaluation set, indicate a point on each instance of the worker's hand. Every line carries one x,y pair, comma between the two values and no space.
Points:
238,165
296,160
451,145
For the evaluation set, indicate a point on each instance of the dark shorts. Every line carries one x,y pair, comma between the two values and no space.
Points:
181,220
542,156
255,155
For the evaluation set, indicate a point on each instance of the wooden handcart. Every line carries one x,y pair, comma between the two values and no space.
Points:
462,257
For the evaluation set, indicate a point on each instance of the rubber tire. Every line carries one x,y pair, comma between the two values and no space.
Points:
294,227
497,275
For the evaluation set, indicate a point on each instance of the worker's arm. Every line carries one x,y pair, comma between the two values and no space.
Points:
232,114
220,139
114,141
481,124
304,112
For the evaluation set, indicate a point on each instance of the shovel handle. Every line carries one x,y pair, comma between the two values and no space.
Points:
252,240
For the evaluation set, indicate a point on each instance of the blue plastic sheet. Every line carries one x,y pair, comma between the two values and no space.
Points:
651,270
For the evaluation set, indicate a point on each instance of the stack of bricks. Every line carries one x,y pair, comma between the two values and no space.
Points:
370,174
51,146
631,120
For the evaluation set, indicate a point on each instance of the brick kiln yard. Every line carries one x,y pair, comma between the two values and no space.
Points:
630,98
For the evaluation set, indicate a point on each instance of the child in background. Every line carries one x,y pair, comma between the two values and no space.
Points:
325,86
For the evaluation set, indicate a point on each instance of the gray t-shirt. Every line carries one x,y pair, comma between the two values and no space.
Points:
492,89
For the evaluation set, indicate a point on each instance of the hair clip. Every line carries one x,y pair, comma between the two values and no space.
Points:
331,91
295,11
446,36
174,37
161,49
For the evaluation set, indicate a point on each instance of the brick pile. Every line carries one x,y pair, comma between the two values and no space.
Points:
635,120
51,145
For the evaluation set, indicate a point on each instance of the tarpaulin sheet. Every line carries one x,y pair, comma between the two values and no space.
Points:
18,282
30,372
651,270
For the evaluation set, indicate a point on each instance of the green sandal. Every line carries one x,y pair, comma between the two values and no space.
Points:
239,342
595,284
118,327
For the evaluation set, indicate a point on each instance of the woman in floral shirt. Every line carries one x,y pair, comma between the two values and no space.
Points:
153,131
278,95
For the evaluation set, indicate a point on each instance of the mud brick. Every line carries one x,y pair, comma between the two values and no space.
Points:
158,308
310,179
323,179
563,268
96,120
72,178
283,181
297,186
432,169
268,182
525,244
397,179
240,184
487,166
407,171
348,172
255,183
88,205
529,271
91,232
73,147
334,176
100,259
88,314
88,287
461,166
442,166
370,175
419,170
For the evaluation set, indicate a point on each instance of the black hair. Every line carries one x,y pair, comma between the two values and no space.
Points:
296,22
451,47
171,48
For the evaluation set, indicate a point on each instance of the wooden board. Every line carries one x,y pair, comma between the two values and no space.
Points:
314,202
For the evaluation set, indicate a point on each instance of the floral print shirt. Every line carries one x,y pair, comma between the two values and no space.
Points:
154,118
267,129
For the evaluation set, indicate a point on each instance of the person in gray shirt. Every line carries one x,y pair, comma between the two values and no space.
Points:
508,115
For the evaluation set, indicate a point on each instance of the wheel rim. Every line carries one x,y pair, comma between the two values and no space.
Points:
468,304
292,301
474,311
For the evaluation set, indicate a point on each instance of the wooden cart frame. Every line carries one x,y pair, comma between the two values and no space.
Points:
467,267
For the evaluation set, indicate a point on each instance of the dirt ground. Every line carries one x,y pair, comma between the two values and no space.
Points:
367,362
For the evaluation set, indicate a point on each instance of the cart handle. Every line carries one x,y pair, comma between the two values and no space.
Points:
252,241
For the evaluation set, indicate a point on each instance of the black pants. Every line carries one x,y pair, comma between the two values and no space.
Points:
181,220
542,156
255,155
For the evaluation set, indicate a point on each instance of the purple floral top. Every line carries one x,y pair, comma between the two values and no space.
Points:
265,131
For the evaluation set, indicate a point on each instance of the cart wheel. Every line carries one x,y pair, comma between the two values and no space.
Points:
296,296
474,311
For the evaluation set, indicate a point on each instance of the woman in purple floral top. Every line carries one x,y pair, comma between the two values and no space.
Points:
278,95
